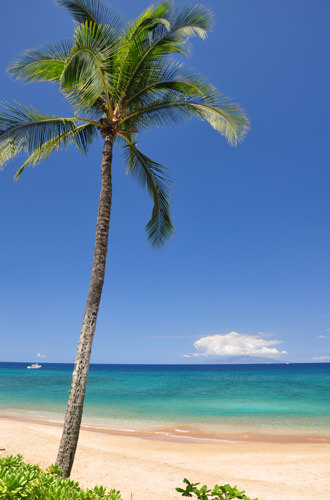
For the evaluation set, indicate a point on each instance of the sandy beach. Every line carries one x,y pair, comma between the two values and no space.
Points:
145,467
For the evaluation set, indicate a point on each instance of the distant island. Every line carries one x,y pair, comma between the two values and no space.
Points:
250,360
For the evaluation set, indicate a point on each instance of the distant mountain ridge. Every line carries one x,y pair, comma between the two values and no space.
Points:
250,360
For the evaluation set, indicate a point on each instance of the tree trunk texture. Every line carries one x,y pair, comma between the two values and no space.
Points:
77,393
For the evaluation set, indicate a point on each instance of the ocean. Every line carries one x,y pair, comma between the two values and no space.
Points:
274,398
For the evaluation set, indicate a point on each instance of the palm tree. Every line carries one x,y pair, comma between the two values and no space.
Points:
120,80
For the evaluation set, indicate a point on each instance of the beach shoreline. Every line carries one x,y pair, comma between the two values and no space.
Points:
186,433
152,467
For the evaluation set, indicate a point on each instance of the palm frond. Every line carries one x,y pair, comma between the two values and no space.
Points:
87,73
81,137
41,64
152,175
148,21
136,39
225,117
23,129
184,23
94,11
187,21
171,77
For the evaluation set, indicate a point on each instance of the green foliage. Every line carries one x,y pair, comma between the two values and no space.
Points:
20,481
121,80
152,175
225,492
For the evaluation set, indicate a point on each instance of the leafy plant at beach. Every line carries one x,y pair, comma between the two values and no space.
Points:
225,492
19,481
120,80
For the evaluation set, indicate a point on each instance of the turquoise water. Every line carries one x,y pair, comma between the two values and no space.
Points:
284,398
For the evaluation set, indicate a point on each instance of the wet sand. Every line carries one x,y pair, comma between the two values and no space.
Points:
150,465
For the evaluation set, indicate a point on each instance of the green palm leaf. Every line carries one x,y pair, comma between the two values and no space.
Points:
184,23
81,137
187,21
24,129
152,175
165,79
134,40
42,64
87,73
94,11
225,117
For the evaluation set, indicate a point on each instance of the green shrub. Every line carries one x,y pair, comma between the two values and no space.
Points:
21,481
225,492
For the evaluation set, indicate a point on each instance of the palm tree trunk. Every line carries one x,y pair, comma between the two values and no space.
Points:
75,404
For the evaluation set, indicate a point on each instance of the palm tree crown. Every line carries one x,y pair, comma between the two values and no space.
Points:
120,79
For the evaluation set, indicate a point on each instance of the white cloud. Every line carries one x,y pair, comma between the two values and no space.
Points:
322,337
321,358
236,344
42,356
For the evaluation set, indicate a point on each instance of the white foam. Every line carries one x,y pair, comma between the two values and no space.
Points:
113,429
180,430
208,439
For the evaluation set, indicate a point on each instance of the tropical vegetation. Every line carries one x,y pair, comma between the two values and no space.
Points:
22,481
224,492
120,79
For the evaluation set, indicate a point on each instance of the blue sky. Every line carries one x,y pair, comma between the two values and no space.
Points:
251,252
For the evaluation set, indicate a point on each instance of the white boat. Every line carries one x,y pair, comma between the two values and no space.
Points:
34,366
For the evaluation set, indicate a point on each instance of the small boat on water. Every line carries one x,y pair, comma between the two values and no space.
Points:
34,366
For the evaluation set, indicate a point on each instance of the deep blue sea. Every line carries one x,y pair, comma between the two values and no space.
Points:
266,398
